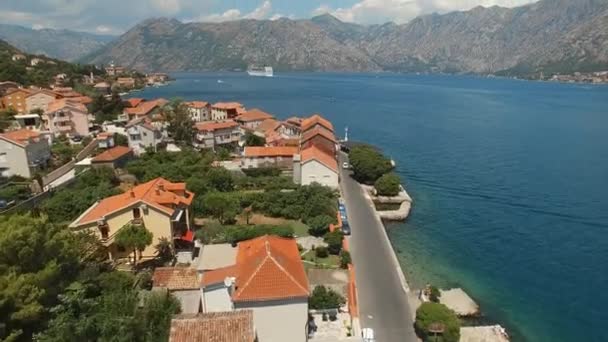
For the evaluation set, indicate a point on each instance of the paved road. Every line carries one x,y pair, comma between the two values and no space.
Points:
383,303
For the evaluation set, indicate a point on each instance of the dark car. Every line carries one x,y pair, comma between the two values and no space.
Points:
345,228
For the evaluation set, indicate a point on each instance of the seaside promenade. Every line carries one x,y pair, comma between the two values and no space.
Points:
383,303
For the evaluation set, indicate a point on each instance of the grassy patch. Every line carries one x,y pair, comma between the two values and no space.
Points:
332,261
299,228
387,206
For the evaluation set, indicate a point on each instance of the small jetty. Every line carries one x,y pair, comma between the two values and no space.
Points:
460,302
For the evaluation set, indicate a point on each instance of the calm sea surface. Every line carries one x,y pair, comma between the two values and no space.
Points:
509,180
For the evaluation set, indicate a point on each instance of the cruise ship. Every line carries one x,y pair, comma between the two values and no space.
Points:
260,71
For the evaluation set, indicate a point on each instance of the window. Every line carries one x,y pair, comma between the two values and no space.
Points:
136,213
104,231
2,157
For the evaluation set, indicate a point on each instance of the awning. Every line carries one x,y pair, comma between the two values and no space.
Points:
188,236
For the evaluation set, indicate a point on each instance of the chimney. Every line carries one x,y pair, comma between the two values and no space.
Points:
157,189
297,169
132,193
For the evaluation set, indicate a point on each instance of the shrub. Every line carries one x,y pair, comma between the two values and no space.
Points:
435,294
368,164
321,252
235,234
263,172
429,313
387,185
334,241
323,298
319,225
345,259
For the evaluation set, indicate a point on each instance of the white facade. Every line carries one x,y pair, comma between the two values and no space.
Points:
218,114
199,114
283,162
216,298
141,136
23,160
314,171
279,321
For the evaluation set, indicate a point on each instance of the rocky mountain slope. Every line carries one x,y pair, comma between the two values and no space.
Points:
550,35
62,44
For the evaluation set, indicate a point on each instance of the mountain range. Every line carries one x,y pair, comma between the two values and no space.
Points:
62,44
550,36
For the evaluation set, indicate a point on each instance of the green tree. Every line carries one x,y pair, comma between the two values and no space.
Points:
121,140
220,179
323,298
429,313
388,185
434,294
345,258
319,225
38,260
221,206
253,140
164,250
135,238
180,123
368,164
334,241
321,252
6,118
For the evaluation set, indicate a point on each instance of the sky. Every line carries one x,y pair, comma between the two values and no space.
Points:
117,16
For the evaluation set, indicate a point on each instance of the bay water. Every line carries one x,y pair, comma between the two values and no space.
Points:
509,180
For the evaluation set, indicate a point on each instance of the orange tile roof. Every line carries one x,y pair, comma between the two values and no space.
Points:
218,275
62,103
144,108
294,120
227,105
213,126
20,137
134,102
269,268
11,91
254,115
104,135
268,126
232,326
158,193
314,153
280,151
85,100
318,131
47,92
176,278
197,104
314,120
112,154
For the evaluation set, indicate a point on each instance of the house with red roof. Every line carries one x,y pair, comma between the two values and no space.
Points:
316,121
269,279
319,137
40,99
183,283
268,156
143,108
160,206
213,134
65,116
226,110
23,152
232,326
316,166
251,119
115,157
15,98
199,110
143,133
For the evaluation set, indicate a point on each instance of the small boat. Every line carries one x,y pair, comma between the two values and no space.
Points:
220,81
260,71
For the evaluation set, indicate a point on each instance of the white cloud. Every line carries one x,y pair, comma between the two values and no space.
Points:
103,29
261,12
400,11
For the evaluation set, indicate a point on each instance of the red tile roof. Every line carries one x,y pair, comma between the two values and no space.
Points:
213,126
268,126
281,151
197,104
269,268
316,120
318,131
20,137
63,103
134,102
85,100
314,153
158,193
227,105
176,278
218,275
254,115
47,92
233,326
112,154
145,108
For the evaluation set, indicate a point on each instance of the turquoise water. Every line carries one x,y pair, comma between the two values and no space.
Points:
509,180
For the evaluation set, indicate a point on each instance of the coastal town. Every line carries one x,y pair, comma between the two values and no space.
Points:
236,219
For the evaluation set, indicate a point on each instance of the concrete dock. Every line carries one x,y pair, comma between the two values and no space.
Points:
459,301
382,289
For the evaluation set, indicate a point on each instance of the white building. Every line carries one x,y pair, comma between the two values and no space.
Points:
316,166
199,110
215,134
23,152
142,133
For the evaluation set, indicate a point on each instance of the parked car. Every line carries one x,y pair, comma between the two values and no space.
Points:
345,228
345,165
368,335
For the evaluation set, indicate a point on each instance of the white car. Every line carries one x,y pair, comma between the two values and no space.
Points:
368,335
345,165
